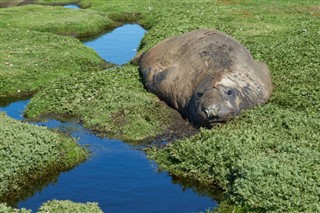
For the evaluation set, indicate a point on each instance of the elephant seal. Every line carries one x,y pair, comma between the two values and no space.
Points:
208,76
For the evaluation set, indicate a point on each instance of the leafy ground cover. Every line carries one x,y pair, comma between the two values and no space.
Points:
67,206
57,206
119,105
29,59
267,159
56,19
30,154
8,3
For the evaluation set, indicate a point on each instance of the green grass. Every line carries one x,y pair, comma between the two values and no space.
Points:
56,2
8,3
268,158
29,59
6,209
29,154
56,19
111,102
67,206
57,206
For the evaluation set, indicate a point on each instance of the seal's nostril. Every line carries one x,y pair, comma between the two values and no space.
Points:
206,111
211,112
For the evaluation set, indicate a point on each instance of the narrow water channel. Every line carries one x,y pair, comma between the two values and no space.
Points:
72,6
118,176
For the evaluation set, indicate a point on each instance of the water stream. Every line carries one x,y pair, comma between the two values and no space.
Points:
72,6
118,176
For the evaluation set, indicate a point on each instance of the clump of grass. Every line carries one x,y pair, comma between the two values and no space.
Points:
56,19
256,167
57,2
8,3
29,153
29,59
112,102
267,159
8,209
67,206
57,206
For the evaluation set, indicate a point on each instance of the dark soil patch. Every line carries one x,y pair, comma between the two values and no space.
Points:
178,129
5,101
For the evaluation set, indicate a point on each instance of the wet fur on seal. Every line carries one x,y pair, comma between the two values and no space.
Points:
208,76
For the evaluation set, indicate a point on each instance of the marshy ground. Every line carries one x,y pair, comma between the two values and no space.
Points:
266,160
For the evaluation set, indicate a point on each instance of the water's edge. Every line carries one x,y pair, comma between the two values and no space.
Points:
118,176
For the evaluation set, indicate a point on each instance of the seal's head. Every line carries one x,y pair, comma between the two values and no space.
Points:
213,104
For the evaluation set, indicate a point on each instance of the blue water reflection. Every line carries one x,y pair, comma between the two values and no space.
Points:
118,176
15,110
126,38
72,6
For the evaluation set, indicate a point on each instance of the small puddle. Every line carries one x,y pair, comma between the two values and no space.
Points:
119,45
118,176
72,6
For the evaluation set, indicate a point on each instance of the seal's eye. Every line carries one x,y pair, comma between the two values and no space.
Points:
229,92
199,94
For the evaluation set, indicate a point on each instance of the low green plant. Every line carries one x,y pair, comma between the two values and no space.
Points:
8,3
268,158
29,59
29,153
66,206
56,19
257,168
56,2
57,206
119,105
6,209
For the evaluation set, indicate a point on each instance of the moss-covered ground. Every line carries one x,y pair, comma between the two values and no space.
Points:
30,59
119,105
267,159
56,19
30,154
57,206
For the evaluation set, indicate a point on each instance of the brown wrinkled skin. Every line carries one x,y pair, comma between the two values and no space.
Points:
206,75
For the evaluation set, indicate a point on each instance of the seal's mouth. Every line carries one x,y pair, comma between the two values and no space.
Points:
214,122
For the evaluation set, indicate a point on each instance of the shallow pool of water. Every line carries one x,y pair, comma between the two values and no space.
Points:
119,45
72,6
118,176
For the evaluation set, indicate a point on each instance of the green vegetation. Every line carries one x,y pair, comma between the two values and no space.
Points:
29,154
56,19
267,159
57,206
27,63
8,3
29,59
6,209
67,206
119,105
56,2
